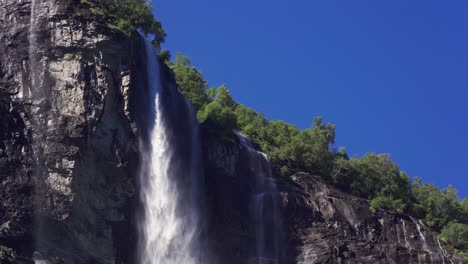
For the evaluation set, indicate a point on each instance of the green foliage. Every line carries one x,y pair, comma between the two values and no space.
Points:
224,98
215,114
385,202
190,81
463,213
377,175
343,173
128,16
456,234
440,206
165,56
310,148
251,124
211,93
7,255
220,111
284,171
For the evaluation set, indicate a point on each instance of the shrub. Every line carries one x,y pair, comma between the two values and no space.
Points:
128,16
456,234
222,117
383,202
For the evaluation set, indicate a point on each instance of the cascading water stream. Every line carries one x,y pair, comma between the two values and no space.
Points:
168,229
430,254
35,94
405,235
265,206
32,42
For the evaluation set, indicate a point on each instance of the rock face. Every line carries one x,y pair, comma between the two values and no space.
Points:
320,224
68,144
71,121
328,226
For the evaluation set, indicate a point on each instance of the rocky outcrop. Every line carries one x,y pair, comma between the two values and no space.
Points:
68,144
320,224
329,226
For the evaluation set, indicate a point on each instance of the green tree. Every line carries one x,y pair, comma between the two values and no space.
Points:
218,116
128,16
456,234
190,81
224,97
378,178
463,215
440,206
384,202
343,172
251,124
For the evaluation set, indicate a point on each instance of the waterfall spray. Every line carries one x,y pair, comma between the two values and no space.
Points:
169,226
35,94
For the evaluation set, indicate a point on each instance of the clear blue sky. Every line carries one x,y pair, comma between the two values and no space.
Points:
392,75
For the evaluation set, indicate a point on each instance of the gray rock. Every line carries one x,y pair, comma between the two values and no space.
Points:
68,142
320,223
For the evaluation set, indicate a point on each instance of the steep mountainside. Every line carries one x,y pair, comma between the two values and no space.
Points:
68,147
71,127
320,224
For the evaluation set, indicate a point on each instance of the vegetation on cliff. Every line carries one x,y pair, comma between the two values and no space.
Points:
373,176
128,16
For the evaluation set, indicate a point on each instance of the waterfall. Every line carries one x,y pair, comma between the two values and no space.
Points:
405,234
424,242
32,42
168,178
265,206
421,235
444,253
38,126
35,67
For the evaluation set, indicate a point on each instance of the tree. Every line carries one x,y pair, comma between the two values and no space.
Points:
219,116
251,124
190,81
384,202
378,178
128,16
463,217
440,206
343,172
456,234
224,98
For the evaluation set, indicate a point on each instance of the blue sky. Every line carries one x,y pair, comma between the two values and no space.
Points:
392,75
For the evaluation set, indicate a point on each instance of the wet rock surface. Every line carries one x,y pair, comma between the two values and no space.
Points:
320,224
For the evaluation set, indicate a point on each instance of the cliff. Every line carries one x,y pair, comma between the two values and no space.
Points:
320,224
68,146
72,123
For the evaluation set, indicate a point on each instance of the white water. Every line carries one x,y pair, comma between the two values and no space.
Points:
444,253
265,206
424,242
33,52
34,82
421,235
405,235
169,227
